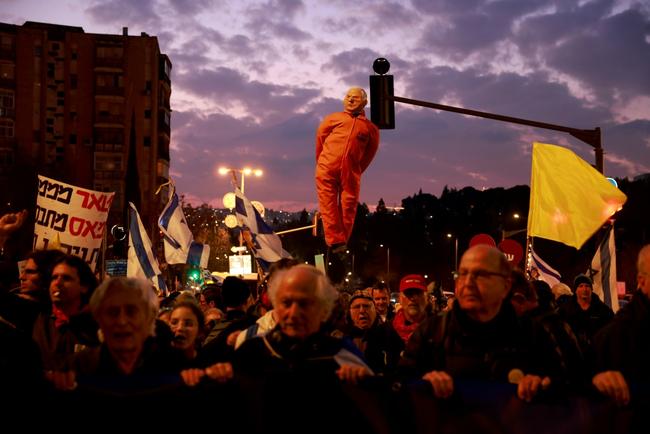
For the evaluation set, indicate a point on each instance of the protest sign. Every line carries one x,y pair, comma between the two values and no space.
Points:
71,218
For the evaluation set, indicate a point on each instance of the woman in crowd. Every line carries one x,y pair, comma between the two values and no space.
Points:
188,328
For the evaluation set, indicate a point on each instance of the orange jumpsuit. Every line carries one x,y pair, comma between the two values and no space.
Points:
345,146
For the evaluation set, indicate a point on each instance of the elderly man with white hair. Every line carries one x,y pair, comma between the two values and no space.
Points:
303,299
125,309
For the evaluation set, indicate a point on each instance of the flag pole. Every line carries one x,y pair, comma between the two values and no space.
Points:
529,243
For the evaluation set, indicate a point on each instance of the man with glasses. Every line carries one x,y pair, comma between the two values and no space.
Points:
480,338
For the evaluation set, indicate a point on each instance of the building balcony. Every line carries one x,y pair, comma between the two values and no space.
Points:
109,119
7,112
109,62
7,144
163,125
8,83
8,53
109,90
163,149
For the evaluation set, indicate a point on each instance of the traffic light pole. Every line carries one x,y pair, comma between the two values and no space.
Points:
591,137
382,103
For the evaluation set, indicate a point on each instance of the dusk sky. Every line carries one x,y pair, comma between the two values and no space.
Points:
251,81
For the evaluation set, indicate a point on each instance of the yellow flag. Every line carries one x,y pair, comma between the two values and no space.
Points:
569,199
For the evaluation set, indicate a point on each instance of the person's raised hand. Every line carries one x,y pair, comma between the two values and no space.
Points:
11,222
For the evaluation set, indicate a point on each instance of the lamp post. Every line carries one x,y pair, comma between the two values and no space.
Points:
387,265
507,234
455,251
245,171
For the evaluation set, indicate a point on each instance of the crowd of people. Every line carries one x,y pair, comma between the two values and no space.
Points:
62,330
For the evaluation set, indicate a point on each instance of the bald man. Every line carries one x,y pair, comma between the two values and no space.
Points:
346,143
481,338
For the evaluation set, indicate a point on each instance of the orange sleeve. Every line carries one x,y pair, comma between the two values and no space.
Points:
324,130
371,149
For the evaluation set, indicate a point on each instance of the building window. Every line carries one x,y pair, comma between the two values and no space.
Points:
147,114
73,139
6,128
73,81
6,99
108,161
168,68
7,71
146,141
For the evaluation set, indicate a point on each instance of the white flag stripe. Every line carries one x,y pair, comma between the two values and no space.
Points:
546,273
267,246
178,240
603,270
141,261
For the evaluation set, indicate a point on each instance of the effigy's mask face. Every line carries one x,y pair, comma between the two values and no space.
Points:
354,101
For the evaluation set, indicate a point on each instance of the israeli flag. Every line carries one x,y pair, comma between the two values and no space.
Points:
603,270
540,270
266,245
178,240
141,261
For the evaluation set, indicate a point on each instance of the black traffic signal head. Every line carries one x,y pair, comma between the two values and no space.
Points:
382,105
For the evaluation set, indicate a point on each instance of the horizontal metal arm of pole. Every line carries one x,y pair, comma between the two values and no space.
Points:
295,230
591,137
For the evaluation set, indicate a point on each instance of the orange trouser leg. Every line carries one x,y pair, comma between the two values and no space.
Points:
327,187
349,201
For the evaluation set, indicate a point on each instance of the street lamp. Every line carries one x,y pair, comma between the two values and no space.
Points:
506,234
245,171
455,251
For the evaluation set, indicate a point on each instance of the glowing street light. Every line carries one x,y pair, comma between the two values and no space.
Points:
245,171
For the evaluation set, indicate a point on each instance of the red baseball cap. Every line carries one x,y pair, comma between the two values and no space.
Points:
412,281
